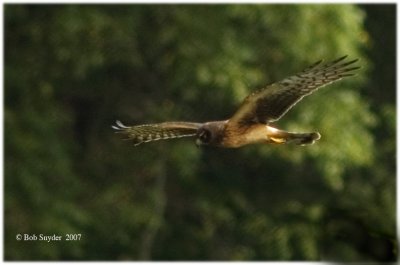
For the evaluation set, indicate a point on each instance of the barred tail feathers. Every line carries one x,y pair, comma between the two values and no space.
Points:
283,137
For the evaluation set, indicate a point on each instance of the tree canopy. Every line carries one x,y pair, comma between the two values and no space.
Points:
71,70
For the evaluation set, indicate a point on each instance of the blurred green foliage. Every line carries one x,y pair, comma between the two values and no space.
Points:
71,70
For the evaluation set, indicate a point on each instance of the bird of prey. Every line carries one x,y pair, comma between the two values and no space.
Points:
251,123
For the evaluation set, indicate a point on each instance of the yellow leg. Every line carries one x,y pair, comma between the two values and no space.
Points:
278,140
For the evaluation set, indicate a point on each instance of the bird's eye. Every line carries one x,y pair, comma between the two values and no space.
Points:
205,136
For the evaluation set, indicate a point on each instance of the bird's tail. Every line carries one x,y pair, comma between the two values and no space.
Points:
284,137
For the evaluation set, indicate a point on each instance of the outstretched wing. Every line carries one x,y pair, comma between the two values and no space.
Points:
160,131
271,103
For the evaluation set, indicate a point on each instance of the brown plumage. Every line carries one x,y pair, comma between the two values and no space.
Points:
251,122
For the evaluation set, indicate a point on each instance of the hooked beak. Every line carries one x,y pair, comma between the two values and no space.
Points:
198,142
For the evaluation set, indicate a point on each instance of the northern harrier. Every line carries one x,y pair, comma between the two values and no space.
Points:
251,123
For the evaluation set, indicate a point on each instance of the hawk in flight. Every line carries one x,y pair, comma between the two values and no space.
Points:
251,123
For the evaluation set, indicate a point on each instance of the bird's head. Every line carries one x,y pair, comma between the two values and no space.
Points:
204,136
210,133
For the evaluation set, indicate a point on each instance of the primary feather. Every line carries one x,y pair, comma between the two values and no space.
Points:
272,102
159,131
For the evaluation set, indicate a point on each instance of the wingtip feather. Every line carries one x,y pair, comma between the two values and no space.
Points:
120,124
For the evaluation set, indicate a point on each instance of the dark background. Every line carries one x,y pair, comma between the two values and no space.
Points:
72,70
